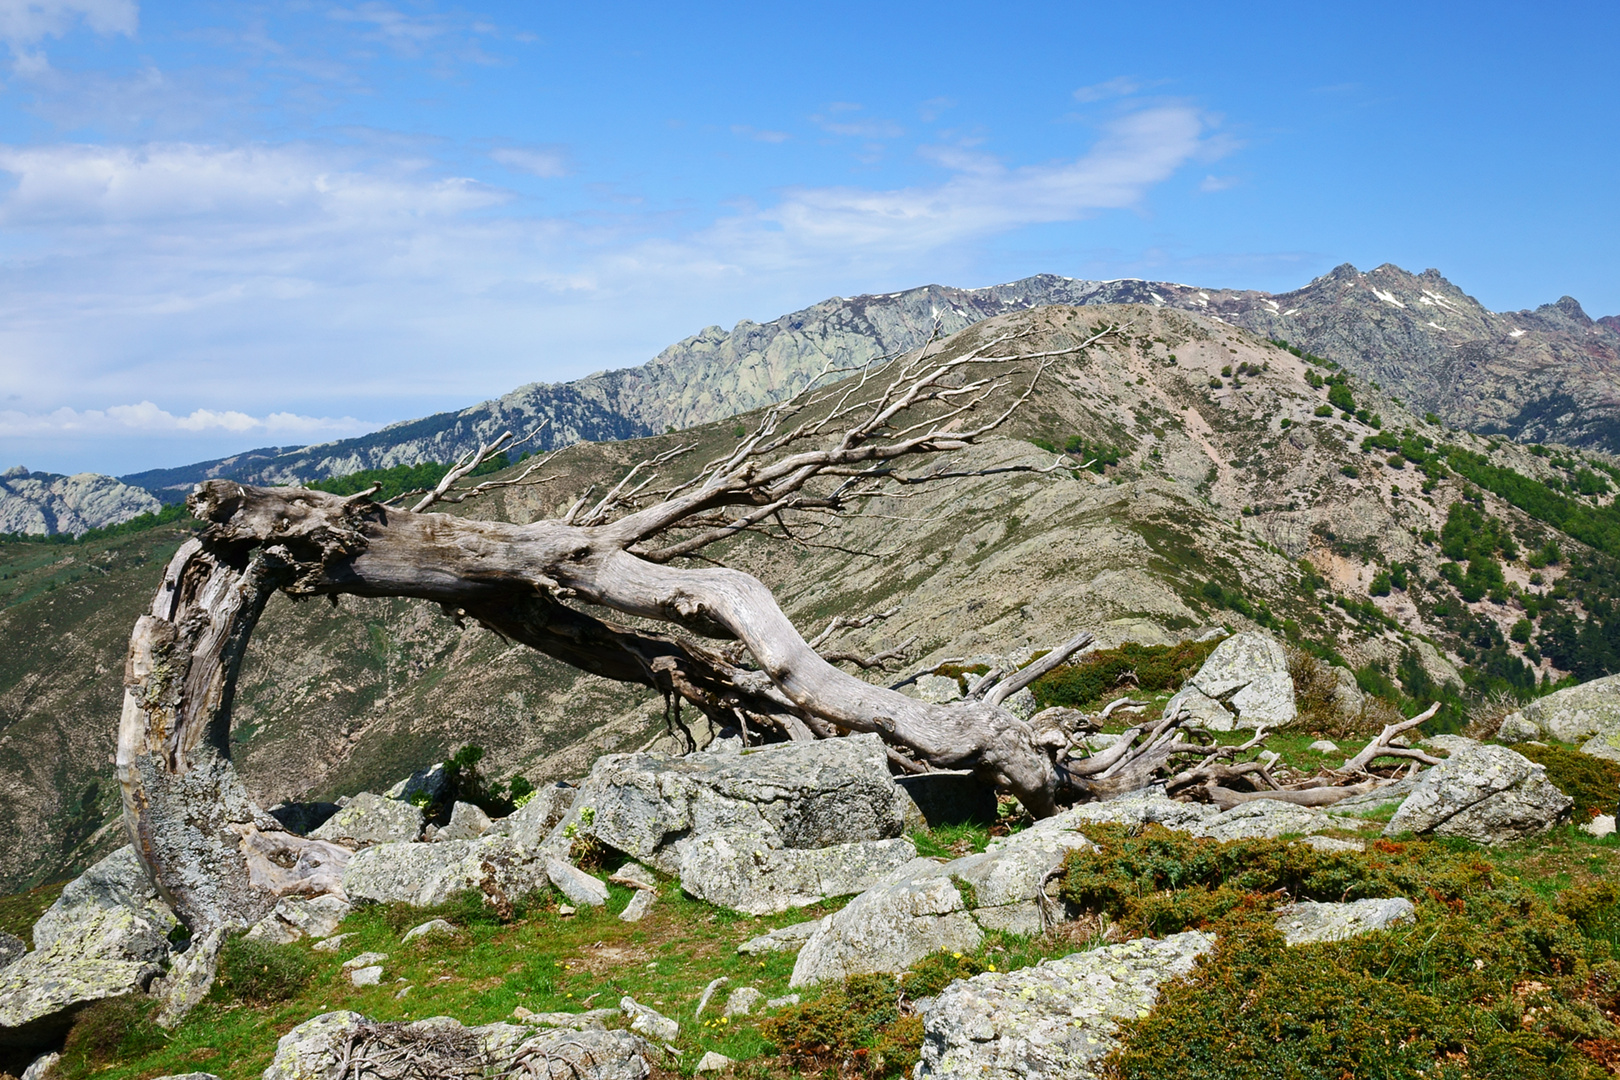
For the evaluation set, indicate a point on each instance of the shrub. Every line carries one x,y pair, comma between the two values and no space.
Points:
465,782
106,1032
1324,410
261,973
1593,783
1350,470
1145,667
859,1029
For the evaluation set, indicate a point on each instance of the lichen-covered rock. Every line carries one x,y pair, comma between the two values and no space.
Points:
1055,1021
805,794
1247,678
467,822
1306,923
1150,806
423,787
1578,713
372,819
427,874
576,884
297,917
939,689
742,871
328,1046
742,1001
107,935
532,822
639,905
1263,819
916,911
1003,885
647,1021
431,928
782,939
1487,794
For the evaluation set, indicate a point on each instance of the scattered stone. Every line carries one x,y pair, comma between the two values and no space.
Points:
1487,794
1244,684
783,939
303,818
708,992
425,875
949,798
633,875
1022,704
321,1047
639,905
741,870
1263,819
531,823
1332,843
189,978
566,910
797,795
713,1062
1348,699
467,822
1516,729
432,928
1602,825
423,787
591,1018
364,959
372,819
742,1001
333,943
298,917
1306,923
938,689
1057,1019
366,976
576,884
649,1022
42,1066
1324,746
105,936
782,1002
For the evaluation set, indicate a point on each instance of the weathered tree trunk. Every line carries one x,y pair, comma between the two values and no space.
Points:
221,861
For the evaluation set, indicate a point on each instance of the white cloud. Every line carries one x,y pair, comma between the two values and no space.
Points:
546,162
746,132
148,419
985,196
88,183
1122,86
27,22
835,120
1214,183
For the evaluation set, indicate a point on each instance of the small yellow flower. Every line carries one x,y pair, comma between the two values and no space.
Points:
957,955
992,967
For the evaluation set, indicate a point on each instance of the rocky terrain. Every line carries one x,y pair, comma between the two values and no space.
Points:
942,934
36,504
1217,495
1548,375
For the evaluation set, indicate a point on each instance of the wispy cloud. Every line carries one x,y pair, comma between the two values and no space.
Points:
746,132
546,162
839,118
986,196
145,418
1122,86
1214,183
26,23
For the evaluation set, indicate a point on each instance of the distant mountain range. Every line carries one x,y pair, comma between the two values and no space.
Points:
35,503
1547,375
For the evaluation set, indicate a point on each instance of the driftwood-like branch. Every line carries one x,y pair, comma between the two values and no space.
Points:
555,585
1381,746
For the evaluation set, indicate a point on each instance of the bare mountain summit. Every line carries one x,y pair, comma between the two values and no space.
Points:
44,503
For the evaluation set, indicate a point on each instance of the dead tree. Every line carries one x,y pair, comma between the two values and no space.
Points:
555,585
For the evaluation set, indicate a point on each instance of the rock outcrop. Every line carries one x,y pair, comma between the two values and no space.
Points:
44,504
1588,714
106,936
1243,684
1056,1020
1487,794
318,1049
428,874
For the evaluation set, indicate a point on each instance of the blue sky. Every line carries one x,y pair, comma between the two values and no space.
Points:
226,225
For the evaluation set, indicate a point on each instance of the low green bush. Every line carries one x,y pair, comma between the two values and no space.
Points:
859,1029
260,973
1144,667
1592,782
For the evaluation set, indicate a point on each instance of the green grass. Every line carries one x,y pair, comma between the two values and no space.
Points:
19,912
